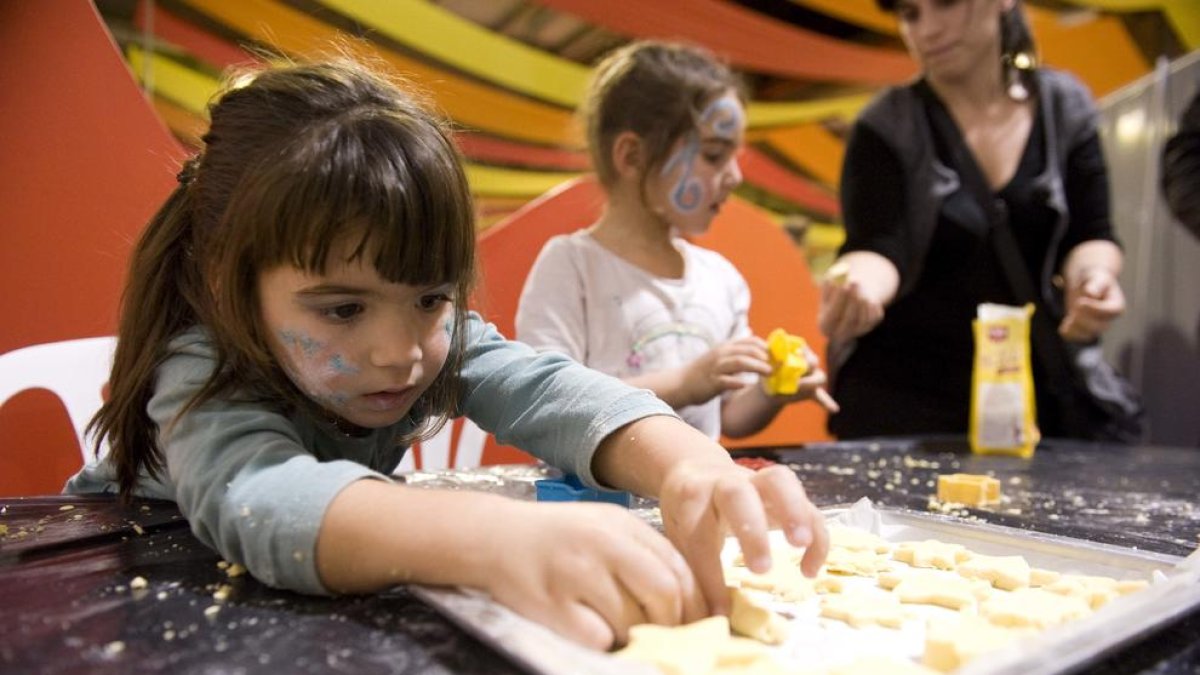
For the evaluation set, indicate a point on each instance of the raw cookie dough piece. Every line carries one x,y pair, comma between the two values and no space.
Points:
862,609
704,646
1033,607
1006,572
678,650
931,553
862,563
1039,577
855,539
743,656
784,580
926,587
1096,591
749,617
951,643
838,273
968,488
779,553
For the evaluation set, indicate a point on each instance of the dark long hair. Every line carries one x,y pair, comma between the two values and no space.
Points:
297,158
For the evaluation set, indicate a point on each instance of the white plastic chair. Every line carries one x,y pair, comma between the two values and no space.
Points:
74,370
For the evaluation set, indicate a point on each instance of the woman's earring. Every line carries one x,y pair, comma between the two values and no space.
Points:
1015,67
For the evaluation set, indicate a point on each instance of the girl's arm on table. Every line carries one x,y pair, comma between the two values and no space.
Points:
588,571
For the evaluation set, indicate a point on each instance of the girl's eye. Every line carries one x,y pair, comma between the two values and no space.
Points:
342,313
432,301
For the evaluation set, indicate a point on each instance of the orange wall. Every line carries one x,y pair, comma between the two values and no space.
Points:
84,162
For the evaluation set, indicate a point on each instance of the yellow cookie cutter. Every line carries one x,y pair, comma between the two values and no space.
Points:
789,362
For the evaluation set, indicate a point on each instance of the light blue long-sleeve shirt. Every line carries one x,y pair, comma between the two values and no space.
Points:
254,484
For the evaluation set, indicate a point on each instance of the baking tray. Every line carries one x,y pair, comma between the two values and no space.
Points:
1174,591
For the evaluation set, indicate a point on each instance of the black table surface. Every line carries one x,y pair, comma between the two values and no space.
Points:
68,602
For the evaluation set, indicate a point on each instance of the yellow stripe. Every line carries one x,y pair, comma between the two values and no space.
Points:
470,103
497,182
1183,15
192,90
824,237
471,48
813,148
186,87
1072,47
763,114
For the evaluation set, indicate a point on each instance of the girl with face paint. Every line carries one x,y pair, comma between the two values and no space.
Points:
629,295
296,317
981,118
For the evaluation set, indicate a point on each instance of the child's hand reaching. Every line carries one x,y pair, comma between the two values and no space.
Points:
702,501
589,571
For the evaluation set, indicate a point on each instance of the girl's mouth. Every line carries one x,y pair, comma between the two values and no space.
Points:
388,399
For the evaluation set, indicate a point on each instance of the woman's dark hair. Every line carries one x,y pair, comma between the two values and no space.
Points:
298,159
1018,52
657,90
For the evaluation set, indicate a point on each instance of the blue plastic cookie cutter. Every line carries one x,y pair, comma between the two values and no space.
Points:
570,489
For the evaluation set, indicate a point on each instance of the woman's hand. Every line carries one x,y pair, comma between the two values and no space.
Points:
721,369
854,293
588,571
847,311
703,500
1093,299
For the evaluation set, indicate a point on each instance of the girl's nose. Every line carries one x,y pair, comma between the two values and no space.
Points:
733,174
395,344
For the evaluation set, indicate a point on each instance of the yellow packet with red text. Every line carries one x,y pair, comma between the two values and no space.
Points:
1003,413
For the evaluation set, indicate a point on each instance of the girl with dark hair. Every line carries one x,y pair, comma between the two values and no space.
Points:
295,316
927,166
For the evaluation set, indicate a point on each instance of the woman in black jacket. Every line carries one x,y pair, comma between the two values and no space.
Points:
925,166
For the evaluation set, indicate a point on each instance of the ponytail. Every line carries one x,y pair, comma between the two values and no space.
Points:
154,307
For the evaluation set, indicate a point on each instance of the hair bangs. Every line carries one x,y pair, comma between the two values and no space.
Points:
381,180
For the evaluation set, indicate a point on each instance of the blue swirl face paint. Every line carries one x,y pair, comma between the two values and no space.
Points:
702,170
688,192
724,117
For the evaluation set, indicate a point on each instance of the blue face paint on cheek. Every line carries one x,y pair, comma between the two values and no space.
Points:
339,365
688,192
314,369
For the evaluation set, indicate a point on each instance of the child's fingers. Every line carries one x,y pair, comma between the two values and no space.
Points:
826,400
818,548
741,508
583,624
693,527
730,382
604,595
657,578
800,520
